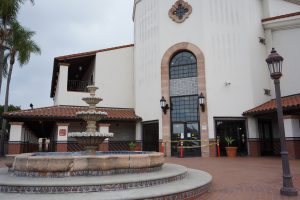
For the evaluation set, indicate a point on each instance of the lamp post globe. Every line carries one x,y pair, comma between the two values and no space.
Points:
274,62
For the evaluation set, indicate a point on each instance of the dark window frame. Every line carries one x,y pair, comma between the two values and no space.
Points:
181,66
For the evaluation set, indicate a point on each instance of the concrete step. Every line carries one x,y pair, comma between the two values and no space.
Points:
193,185
80,184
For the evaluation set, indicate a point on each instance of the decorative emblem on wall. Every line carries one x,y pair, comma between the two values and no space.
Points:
180,11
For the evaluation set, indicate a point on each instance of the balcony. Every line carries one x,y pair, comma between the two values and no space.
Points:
78,86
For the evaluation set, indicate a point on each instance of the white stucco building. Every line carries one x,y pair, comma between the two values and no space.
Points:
183,48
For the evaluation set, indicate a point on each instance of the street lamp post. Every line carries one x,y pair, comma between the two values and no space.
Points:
274,61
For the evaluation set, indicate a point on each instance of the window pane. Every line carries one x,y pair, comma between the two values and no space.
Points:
183,65
184,108
178,128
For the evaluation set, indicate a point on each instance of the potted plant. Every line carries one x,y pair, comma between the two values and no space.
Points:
230,151
132,146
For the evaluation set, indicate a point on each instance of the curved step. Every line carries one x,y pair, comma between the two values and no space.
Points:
32,185
195,184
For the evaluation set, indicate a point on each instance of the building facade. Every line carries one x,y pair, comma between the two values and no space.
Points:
184,49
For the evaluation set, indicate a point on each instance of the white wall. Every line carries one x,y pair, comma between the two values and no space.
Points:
113,74
226,31
287,43
16,132
292,127
147,59
279,7
252,127
114,77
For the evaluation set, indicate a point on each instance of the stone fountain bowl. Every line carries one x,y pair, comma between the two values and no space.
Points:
92,100
63,164
90,138
91,115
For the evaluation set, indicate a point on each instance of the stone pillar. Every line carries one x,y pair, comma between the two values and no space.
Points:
104,128
104,146
15,145
62,137
253,137
292,133
138,136
62,84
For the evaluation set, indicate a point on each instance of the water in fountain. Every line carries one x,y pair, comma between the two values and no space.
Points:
91,139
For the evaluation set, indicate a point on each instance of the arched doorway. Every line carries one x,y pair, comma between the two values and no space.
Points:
189,55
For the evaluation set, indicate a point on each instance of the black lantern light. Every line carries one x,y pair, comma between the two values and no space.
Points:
274,61
163,104
202,101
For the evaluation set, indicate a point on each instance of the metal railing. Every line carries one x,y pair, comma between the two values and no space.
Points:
77,86
118,146
112,146
74,146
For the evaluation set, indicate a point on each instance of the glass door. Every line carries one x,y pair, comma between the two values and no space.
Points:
185,125
235,129
186,134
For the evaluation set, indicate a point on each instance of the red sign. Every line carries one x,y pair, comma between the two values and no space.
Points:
62,132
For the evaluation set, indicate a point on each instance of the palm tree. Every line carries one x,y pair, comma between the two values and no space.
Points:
8,13
20,46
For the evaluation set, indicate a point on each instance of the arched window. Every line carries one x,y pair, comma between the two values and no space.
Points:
183,65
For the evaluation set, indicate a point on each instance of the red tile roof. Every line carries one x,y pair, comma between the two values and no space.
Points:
90,53
281,17
288,102
69,112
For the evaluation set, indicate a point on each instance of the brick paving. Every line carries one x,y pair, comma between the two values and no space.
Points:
244,178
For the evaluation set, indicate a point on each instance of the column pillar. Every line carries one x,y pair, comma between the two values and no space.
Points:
62,137
253,137
104,128
292,134
15,145
62,84
138,136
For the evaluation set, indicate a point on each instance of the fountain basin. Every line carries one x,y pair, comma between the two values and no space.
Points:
66,164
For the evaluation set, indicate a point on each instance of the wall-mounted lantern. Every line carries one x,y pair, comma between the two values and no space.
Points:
163,104
202,102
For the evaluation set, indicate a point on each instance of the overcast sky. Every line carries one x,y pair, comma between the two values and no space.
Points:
64,27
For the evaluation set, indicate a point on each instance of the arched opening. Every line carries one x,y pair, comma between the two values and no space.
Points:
184,104
183,79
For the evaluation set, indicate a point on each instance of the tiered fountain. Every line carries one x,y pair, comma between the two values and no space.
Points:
124,175
91,138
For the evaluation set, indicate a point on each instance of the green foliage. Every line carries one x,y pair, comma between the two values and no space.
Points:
11,108
132,146
229,140
20,44
9,9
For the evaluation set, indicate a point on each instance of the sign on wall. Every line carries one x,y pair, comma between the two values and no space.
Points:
62,132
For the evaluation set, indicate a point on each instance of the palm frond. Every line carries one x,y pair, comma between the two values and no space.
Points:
21,44
9,9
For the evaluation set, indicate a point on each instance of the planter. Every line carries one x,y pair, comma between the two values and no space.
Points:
231,151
